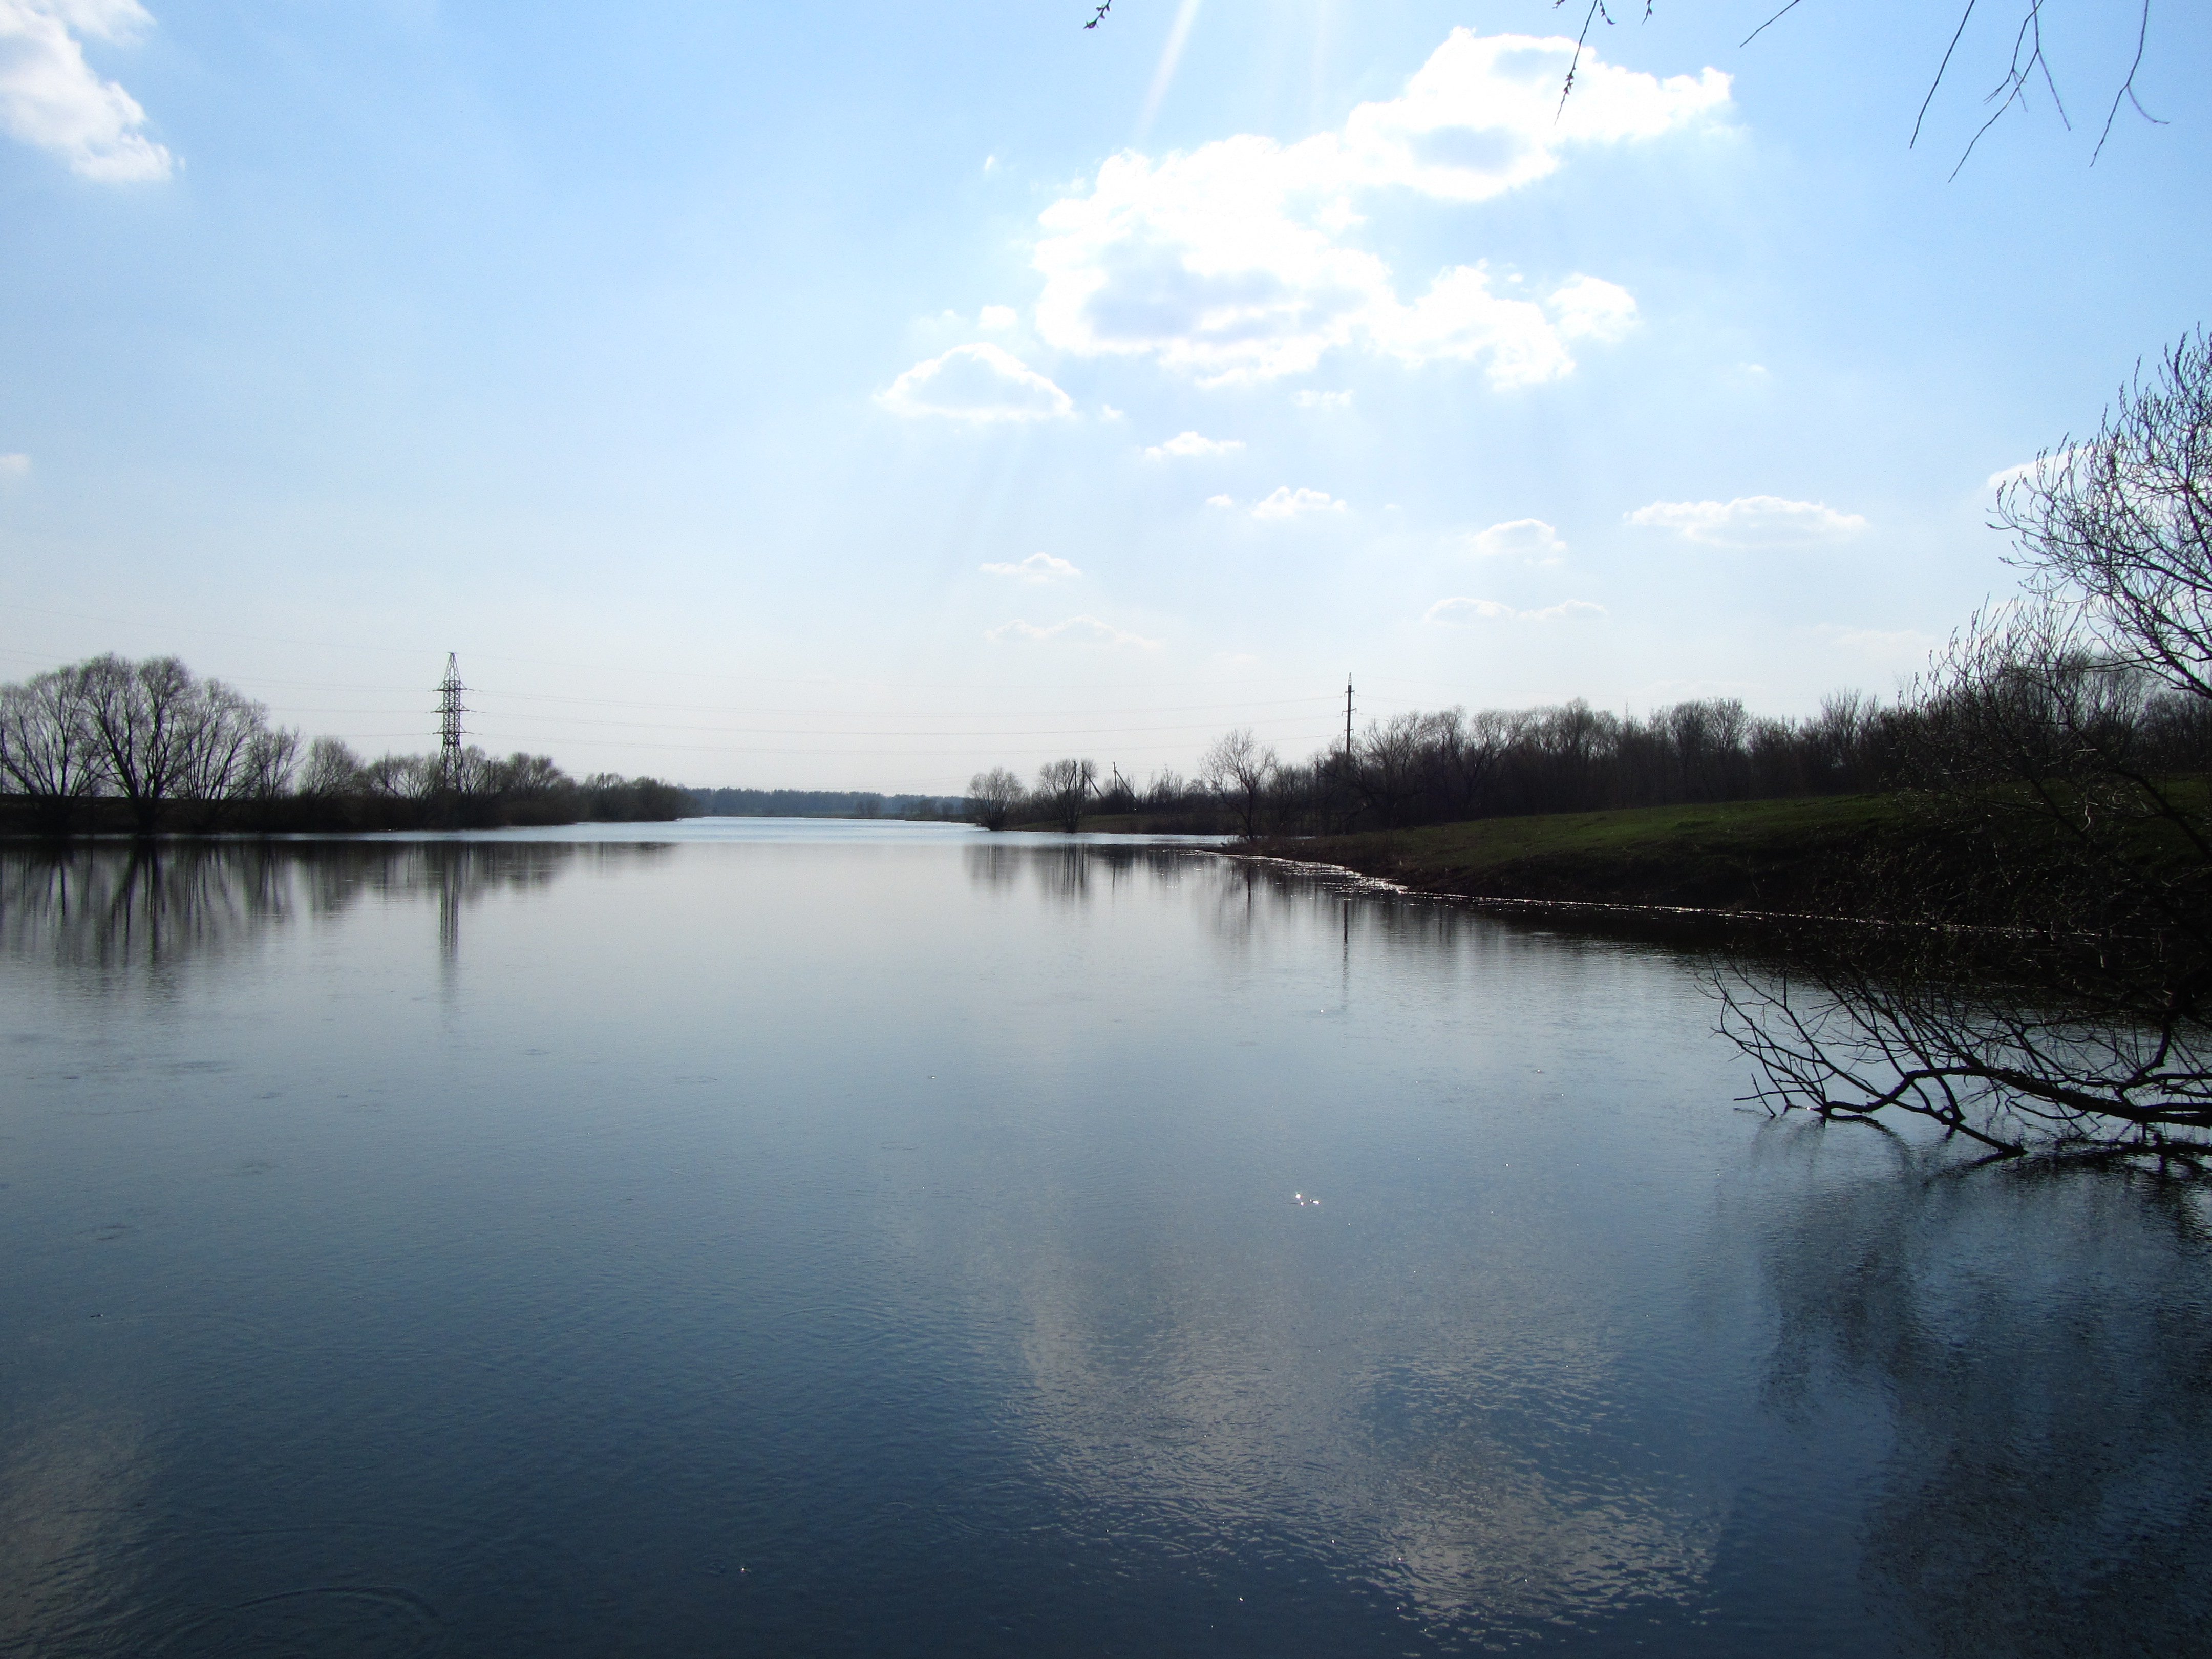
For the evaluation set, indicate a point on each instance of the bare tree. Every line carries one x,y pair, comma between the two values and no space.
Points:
2116,527
993,796
331,769
271,761
1241,770
400,777
2024,67
47,746
228,739
1065,787
163,733
2052,980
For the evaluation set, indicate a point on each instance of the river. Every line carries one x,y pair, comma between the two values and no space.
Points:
765,1236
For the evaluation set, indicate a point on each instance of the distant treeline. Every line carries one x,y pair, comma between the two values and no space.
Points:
1451,766
149,747
824,804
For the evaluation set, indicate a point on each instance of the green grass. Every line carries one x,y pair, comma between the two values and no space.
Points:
1759,854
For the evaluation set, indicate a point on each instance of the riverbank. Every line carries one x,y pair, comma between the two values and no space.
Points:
1138,824
1801,856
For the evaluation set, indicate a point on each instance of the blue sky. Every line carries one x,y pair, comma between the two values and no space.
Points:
857,397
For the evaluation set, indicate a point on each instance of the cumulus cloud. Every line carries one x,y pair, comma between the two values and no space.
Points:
1466,611
1588,308
14,466
1190,443
1289,503
2043,466
1531,539
997,316
976,382
1075,630
50,97
1310,400
1037,567
1221,500
1751,521
1233,262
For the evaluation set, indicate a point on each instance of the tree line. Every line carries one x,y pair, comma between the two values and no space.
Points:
1450,766
150,746
824,803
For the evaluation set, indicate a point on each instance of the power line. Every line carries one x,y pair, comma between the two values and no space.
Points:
569,665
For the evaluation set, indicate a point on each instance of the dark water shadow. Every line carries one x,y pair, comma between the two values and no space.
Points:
2040,1336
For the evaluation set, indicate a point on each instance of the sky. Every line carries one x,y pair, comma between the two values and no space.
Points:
861,396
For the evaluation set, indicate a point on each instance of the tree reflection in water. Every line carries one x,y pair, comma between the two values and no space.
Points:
2048,1487
1072,872
106,909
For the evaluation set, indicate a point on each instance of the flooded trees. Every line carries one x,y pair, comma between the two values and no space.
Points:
993,796
149,745
1064,788
151,732
47,748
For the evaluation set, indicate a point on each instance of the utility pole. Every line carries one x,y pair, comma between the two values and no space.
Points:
1347,751
450,711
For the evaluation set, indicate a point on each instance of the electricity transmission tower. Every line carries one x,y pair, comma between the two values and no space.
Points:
449,710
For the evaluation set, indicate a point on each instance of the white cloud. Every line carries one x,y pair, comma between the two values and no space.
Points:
1467,610
14,466
2043,465
1751,521
1566,610
1231,261
1323,400
50,97
1189,443
976,382
1037,567
1589,308
1289,503
1075,630
997,316
1531,539
1221,500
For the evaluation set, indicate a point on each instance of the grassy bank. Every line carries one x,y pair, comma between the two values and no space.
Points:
1786,855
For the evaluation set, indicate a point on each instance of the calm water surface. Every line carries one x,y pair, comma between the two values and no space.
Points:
828,1240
